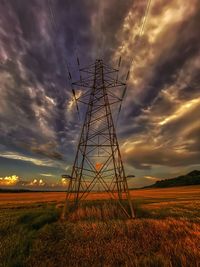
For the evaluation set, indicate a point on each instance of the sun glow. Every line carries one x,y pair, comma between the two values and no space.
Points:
72,101
98,166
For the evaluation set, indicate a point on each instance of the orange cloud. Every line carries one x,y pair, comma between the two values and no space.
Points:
9,180
16,181
37,182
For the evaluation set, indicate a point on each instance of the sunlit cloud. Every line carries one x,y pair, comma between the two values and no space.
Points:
160,35
180,112
9,180
15,181
35,161
36,182
46,174
151,178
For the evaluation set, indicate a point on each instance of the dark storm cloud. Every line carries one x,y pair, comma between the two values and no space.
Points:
144,158
33,74
46,150
38,39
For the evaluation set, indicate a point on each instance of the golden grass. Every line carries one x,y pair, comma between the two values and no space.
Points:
178,193
32,197
166,232
119,243
178,202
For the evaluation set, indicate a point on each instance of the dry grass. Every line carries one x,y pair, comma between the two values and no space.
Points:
142,242
32,197
165,233
185,192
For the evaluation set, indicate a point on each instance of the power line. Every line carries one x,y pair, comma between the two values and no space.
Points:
141,32
56,29
64,60
145,18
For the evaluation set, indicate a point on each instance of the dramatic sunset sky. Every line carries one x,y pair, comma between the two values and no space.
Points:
159,128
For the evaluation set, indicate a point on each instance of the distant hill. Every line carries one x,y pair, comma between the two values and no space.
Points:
192,178
10,190
21,190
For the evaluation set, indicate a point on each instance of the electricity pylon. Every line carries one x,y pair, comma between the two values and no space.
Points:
98,159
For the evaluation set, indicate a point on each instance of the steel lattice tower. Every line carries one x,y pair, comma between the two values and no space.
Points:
98,159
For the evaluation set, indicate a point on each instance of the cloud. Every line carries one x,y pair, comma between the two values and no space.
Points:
145,156
168,140
35,161
46,174
15,181
48,150
151,178
159,126
9,180
36,183
157,62
159,117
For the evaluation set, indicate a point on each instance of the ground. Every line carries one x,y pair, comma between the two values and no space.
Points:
166,231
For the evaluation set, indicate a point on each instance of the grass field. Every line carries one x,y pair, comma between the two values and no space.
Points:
166,231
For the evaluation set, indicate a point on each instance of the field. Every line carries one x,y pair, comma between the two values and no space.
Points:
166,231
